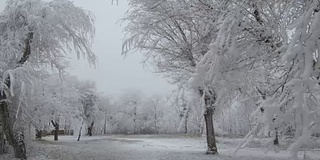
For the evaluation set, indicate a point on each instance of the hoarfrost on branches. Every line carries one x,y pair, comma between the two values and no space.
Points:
36,35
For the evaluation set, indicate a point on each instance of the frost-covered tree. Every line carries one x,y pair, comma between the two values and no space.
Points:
181,102
54,99
237,50
134,113
131,103
89,103
295,106
152,113
242,47
104,106
253,36
38,34
173,37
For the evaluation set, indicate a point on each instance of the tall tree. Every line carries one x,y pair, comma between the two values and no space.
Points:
255,33
173,38
37,33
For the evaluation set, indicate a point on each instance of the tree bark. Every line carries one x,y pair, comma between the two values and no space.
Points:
105,123
186,116
155,121
134,120
105,127
209,100
79,133
90,128
276,140
211,140
186,125
3,145
16,140
56,129
264,97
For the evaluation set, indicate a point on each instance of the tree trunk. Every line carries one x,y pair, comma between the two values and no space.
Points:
276,140
211,140
105,127
155,121
264,97
186,125
105,123
3,145
16,140
134,120
56,129
156,129
66,132
79,133
209,100
90,128
19,147
56,133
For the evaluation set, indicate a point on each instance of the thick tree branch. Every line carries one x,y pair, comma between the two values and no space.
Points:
54,123
27,50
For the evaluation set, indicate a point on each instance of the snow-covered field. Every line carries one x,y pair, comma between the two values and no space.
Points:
146,147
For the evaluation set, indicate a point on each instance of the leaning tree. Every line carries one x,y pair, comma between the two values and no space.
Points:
37,34
257,33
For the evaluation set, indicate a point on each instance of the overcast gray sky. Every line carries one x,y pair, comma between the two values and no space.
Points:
113,73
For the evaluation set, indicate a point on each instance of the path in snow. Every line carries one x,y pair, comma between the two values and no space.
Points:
143,147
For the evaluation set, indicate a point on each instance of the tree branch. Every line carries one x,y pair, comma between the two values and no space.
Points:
27,50
54,123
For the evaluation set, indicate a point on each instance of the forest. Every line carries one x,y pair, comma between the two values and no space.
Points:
244,71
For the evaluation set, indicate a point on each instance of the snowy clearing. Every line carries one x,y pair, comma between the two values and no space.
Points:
146,147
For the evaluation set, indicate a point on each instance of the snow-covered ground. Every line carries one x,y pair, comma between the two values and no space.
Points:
146,147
